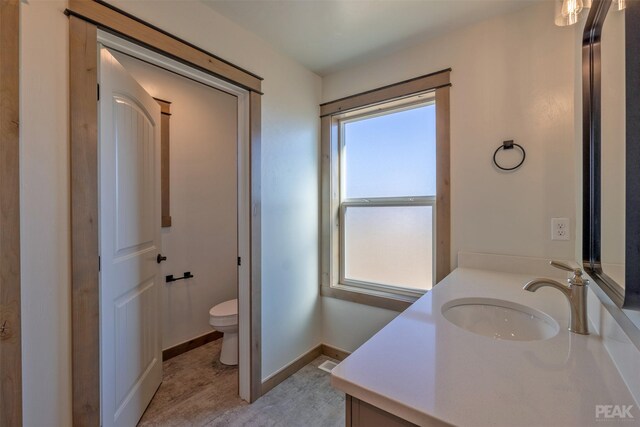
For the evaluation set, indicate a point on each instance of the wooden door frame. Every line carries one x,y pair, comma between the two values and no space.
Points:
85,18
10,332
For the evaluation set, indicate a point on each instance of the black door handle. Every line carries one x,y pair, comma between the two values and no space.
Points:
161,258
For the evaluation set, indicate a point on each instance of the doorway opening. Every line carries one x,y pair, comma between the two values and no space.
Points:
208,232
151,44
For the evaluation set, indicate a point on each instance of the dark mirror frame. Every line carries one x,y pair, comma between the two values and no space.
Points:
629,296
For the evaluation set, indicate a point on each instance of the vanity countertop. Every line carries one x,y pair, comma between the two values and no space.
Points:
424,369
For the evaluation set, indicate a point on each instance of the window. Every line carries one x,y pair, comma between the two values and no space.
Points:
387,195
382,191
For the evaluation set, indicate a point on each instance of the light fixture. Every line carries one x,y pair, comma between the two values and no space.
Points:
568,11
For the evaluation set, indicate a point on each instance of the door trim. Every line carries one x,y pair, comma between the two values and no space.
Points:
83,66
114,20
10,339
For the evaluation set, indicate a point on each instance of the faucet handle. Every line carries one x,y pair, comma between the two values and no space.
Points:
565,267
577,272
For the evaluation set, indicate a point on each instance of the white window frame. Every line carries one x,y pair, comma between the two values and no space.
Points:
377,101
339,256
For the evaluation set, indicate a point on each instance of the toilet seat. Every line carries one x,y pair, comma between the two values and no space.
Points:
224,314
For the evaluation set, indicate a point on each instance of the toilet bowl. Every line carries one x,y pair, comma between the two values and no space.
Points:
224,318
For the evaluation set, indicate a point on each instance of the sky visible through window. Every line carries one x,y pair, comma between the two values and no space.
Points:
392,155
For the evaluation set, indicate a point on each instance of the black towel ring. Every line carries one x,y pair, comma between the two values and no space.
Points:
508,145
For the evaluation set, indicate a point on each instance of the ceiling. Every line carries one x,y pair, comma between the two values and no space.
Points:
327,35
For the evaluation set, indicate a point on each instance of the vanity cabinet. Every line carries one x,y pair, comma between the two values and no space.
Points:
362,414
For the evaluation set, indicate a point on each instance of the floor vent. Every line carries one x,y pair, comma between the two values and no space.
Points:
328,365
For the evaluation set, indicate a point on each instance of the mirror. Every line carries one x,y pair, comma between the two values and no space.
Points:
612,162
611,149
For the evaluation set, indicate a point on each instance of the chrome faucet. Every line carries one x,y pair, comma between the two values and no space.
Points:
576,293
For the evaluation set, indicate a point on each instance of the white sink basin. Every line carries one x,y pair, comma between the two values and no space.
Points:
499,319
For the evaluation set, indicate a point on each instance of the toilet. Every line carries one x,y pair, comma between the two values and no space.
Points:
224,318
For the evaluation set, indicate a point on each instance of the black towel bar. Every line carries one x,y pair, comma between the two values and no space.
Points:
170,278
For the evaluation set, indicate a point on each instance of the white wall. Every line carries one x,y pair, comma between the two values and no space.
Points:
44,207
203,235
291,305
347,325
513,78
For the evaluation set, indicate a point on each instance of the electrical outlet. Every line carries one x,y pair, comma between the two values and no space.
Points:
560,229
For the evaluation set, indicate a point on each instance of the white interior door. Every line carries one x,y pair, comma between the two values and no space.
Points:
129,153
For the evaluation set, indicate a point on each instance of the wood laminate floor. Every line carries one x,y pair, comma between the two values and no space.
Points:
197,390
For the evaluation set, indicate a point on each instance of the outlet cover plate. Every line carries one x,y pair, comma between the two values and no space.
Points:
560,229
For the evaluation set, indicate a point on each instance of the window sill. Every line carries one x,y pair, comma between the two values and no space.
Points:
384,300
